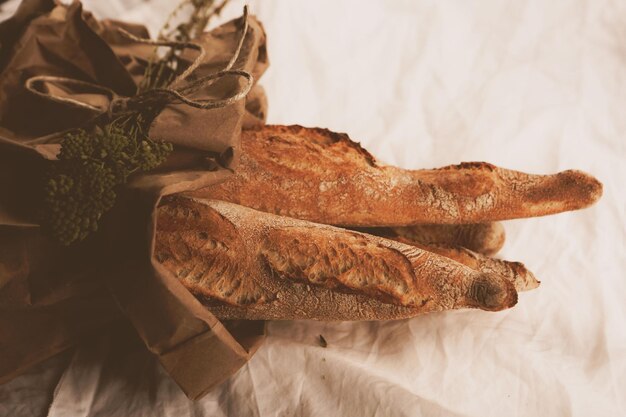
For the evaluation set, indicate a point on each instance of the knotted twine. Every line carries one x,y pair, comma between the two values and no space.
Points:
155,97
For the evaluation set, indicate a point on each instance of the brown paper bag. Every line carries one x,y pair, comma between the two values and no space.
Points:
51,296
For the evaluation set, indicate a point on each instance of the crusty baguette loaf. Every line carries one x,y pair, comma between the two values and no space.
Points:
321,176
245,264
484,238
515,272
456,241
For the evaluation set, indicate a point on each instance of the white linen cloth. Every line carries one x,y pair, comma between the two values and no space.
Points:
530,85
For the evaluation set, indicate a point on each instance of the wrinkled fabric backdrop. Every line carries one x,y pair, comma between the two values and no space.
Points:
529,85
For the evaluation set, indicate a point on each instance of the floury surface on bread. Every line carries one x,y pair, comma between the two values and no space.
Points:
245,264
322,176
311,226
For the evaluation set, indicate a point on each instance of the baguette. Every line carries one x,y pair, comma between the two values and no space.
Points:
321,176
515,272
245,264
455,241
484,238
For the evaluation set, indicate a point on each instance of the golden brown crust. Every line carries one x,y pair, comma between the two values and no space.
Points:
272,267
348,261
321,176
205,251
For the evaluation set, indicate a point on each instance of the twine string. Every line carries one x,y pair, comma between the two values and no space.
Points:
156,96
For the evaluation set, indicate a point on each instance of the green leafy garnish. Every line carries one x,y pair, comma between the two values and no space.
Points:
80,186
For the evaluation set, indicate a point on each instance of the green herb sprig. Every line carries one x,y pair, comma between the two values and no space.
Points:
81,185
